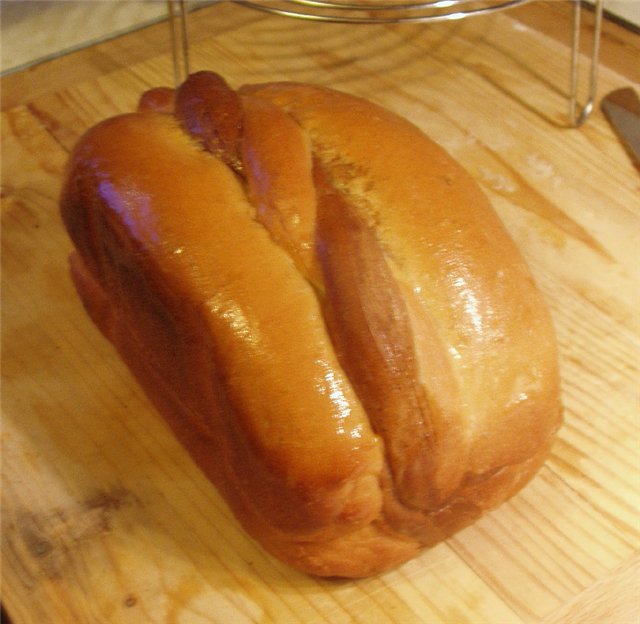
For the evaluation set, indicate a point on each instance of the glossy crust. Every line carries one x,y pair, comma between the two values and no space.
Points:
324,307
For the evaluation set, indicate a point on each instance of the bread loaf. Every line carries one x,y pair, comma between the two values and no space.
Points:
324,307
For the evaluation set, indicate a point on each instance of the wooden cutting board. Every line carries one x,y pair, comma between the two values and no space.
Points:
105,518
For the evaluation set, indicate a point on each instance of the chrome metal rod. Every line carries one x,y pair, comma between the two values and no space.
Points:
177,10
578,117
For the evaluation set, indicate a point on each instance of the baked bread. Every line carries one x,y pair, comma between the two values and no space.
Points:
324,307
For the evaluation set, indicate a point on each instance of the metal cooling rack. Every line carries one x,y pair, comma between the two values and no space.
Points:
407,11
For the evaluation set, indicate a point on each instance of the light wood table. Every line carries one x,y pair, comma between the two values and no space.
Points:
106,519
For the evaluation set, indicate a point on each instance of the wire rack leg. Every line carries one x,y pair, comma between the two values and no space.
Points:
577,116
177,12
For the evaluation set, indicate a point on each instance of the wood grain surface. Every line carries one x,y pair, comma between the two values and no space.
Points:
104,516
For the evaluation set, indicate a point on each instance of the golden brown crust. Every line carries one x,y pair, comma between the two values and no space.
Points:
204,315
464,280
159,100
211,112
325,309
369,323
278,169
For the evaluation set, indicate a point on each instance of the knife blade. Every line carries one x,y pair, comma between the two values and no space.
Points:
622,109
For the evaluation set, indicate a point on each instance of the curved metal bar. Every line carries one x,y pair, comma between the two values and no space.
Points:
397,12
393,5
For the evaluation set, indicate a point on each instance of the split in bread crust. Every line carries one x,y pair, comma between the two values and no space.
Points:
324,307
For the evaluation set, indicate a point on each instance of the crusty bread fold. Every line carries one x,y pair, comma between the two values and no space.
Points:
324,307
